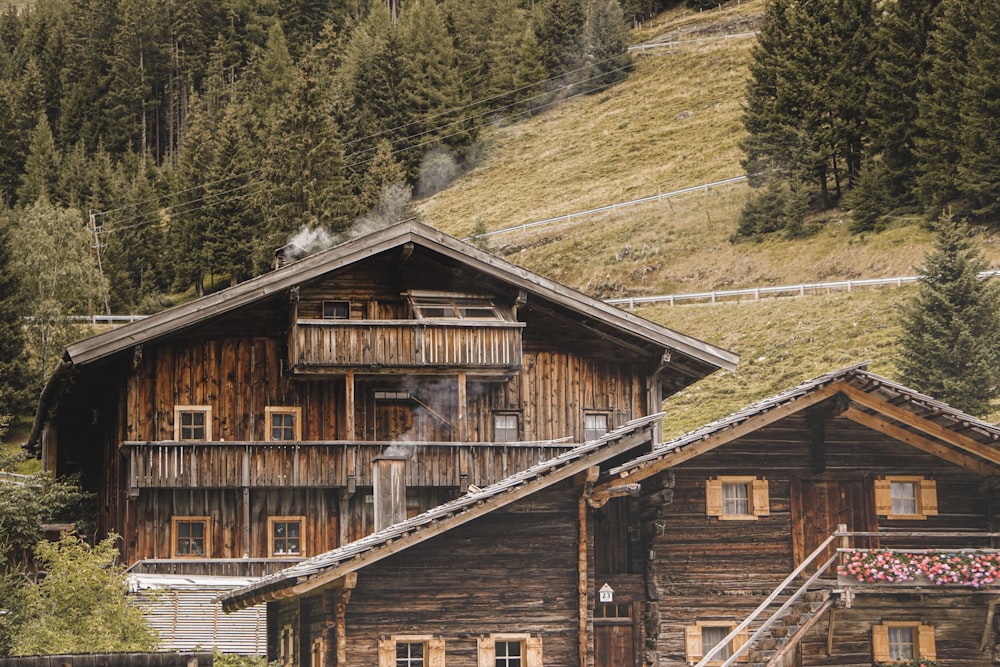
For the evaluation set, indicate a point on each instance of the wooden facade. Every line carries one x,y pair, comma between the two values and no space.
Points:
241,432
633,563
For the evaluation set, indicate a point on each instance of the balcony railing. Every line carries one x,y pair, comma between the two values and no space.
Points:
323,346
325,464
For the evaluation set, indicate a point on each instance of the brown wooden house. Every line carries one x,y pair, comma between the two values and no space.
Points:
305,409
719,547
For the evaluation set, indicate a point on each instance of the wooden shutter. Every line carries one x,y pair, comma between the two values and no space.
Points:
928,497
880,643
386,653
739,640
925,642
692,642
487,652
435,653
713,497
883,497
761,501
533,651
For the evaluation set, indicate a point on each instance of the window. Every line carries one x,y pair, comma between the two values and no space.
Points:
428,305
336,310
595,425
286,536
604,610
283,423
905,497
903,640
286,646
192,538
318,652
192,422
736,498
410,651
505,427
703,636
510,650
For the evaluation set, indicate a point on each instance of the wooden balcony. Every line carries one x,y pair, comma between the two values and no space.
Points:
331,464
331,346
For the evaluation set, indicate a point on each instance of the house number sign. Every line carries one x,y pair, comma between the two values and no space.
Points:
607,594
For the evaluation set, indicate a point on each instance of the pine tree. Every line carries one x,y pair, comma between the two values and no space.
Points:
435,99
530,74
42,166
979,166
950,345
14,398
938,146
606,43
560,32
900,78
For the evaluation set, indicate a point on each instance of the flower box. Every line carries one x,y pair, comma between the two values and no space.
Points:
970,569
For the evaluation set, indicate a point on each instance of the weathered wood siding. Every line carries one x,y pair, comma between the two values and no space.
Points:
513,571
959,623
711,569
239,377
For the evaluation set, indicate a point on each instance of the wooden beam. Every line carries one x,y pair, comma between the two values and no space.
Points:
918,441
928,426
722,437
349,407
582,585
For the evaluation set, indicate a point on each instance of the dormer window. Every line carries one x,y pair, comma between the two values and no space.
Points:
443,306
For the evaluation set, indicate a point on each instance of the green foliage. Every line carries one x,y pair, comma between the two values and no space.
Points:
606,41
14,395
869,199
24,508
950,345
81,605
775,208
232,660
58,277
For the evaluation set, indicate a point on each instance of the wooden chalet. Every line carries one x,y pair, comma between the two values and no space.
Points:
303,410
720,547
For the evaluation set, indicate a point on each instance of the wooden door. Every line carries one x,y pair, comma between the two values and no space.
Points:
614,645
820,505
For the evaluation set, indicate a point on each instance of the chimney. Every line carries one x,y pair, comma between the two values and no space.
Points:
389,491
287,254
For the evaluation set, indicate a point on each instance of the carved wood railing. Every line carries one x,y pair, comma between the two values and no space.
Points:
323,346
325,464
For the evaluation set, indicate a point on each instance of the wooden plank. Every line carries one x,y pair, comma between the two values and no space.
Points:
920,442
926,425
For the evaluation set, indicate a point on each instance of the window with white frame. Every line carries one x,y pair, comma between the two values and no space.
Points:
905,497
510,650
283,423
595,425
410,651
505,427
437,306
192,422
736,497
903,640
703,636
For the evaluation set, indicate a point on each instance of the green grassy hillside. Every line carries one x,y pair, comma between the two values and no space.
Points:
676,123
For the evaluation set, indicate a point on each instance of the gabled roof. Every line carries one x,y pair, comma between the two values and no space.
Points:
333,565
854,393
315,266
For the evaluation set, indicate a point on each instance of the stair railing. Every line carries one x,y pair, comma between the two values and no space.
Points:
718,648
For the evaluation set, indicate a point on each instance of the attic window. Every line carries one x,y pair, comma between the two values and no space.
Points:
453,307
336,310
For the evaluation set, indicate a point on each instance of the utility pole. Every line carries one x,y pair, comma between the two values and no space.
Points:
97,247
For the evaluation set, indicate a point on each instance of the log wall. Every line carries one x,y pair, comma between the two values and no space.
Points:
512,571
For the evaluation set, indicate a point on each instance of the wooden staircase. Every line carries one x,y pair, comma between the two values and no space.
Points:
778,641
